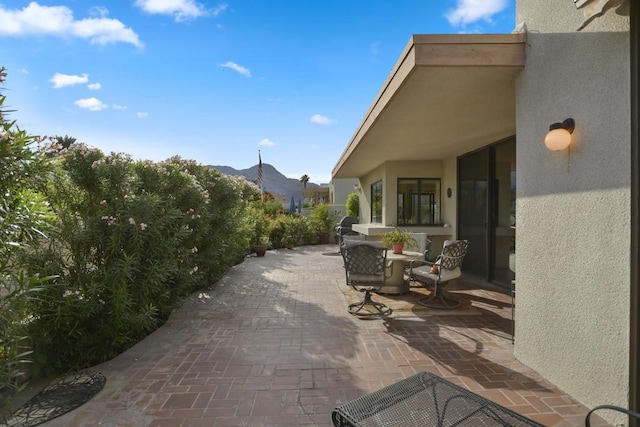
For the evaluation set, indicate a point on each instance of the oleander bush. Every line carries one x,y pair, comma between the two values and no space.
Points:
133,238
25,217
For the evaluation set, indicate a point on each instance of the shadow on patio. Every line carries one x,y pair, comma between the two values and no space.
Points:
272,344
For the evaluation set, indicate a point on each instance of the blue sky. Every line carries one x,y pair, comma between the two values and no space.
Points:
216,81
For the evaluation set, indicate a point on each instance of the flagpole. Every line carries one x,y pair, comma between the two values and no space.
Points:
260,177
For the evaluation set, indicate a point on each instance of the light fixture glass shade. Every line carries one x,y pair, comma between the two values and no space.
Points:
557,139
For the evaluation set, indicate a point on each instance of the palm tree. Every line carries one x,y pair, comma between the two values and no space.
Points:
64,141
304,179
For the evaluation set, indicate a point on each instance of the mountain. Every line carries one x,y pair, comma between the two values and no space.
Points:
274,182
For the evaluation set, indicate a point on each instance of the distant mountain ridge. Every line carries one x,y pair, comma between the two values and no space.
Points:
274,182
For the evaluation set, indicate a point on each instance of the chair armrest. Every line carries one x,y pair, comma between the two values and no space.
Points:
417,263
587,420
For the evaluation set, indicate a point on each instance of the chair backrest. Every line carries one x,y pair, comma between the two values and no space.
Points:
364,262
453,253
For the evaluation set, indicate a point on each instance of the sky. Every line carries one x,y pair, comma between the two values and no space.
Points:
216,82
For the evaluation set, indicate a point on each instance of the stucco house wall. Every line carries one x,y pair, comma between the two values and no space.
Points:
339,190
573,207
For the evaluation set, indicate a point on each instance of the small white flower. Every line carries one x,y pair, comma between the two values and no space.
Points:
194,250
132,221
143,226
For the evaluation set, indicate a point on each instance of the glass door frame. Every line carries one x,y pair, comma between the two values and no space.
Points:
491,222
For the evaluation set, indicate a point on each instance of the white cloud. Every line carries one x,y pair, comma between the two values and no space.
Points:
119,107
142,115
219,9
91,104
238,68
94,86
321,120
99,11
181,10
23,71
469,11
267,143
62,80
35,19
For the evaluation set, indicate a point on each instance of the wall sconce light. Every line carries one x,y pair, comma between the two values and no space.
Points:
449,192
356,187
559,135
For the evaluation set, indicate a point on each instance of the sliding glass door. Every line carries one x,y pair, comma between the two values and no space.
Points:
486,211
473,210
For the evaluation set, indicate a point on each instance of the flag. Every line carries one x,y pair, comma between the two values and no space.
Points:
260,175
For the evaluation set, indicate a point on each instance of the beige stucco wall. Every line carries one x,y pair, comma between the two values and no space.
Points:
561,16
340,189
573,209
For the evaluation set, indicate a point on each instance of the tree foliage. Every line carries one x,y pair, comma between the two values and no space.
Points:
353,205
304,179
24,218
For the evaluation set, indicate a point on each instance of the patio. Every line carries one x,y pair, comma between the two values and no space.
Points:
272,344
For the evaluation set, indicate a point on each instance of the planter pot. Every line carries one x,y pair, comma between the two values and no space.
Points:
323,238
289,245
260,250
397,248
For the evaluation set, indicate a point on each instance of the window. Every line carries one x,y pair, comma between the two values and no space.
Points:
376,202
418,201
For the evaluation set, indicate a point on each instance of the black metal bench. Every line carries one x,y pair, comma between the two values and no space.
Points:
425,399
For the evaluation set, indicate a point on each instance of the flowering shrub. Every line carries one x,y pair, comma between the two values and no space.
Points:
24,218
133,238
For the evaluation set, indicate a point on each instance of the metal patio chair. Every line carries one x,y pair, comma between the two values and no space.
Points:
438,274
366,270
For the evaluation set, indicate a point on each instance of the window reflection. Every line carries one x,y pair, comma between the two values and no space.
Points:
376,202
418,201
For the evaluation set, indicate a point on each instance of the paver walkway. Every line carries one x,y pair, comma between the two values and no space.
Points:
272,344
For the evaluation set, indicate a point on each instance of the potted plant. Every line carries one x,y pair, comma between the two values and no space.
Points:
289,242
260,248
397,239
322,222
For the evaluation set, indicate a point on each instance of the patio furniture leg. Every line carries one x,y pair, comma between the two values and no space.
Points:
438,300
358,308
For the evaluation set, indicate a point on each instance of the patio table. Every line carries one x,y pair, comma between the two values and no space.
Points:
425,399
397,284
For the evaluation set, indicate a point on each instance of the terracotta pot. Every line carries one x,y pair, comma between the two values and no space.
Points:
260,250
397,248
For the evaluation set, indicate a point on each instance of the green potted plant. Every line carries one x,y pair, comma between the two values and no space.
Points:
322,222
289,242
260,248
397,238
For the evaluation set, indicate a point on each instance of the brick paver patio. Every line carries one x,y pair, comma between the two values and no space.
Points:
272,344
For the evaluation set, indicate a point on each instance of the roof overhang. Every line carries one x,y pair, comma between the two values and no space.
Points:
446,95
